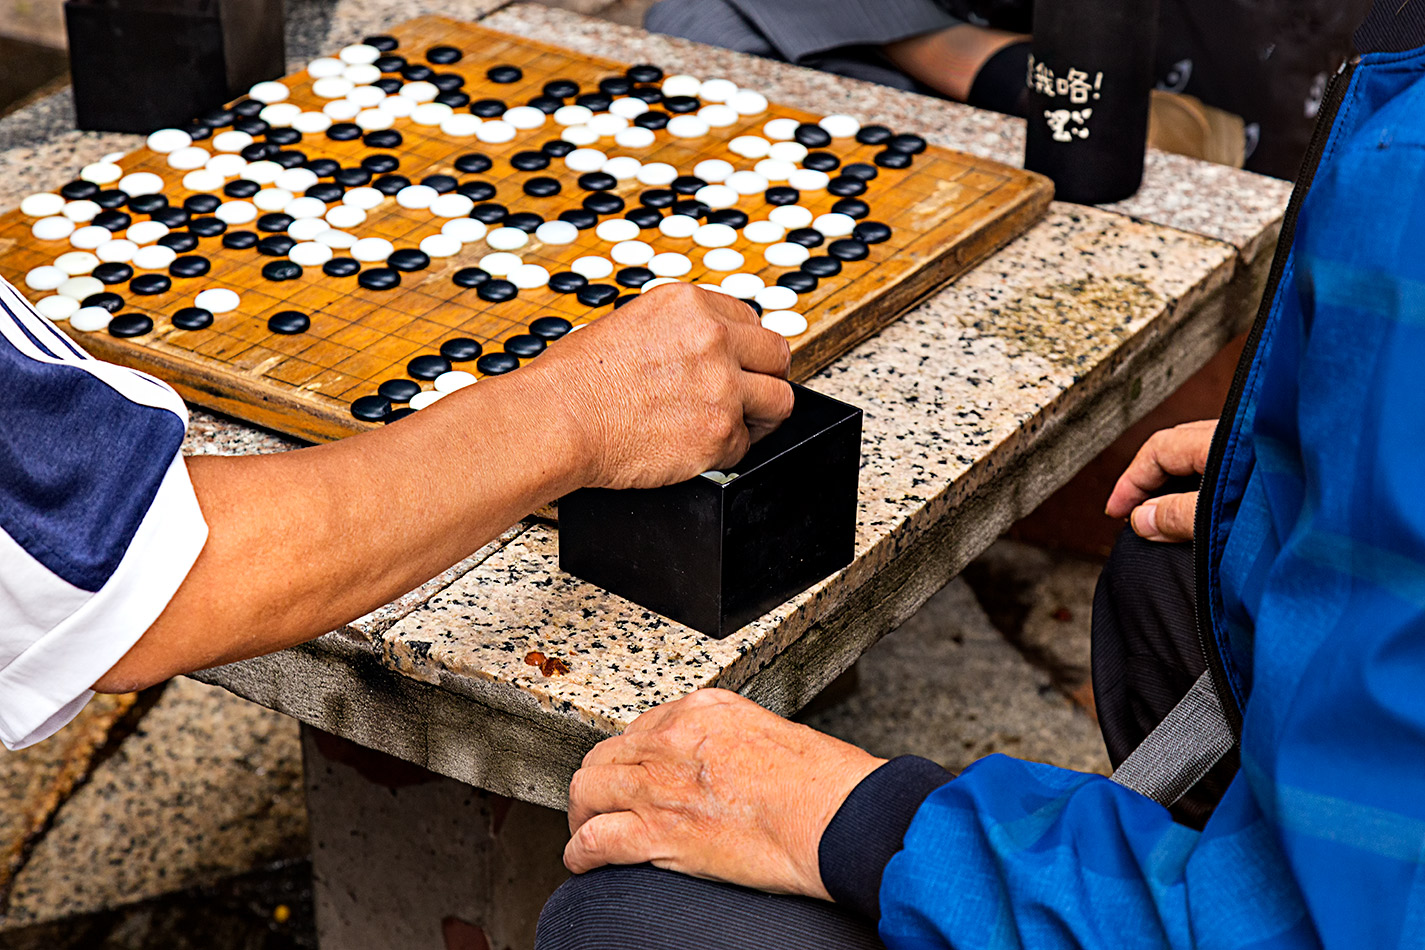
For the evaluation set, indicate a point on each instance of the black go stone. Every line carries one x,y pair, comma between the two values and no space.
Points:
382,41
844,186
542,187
526,221
598,295
251,126
390,85
476,190
907,142
241,188
601,202
616,86
112,220
110,198
443,55
461,349
325,191
113,272
470,277
682,104
417,72
730,217
852,208
782,195
566,282
427,366
861,170
371,408
625,300
812,136
872,232
581,218
873,135
390,64
287,136
379,278
290,158
652,119
341,267
281,270
399,390
260,151
79,190
240,240
806,237
354,177
497,290
473,163
408,259
688,185
201,204
323,167
190,266
179,242
217,118
557,148
634,277
489,108
148,204
821,161
207,227
893,159
645,72
497,364
489,213
276,245
130,324
453,98
146,285
645,218
395,415
383,138
447,82
550,328
193,318
595,101
821,266
849,249
505,74
799,281
529,161
289,322
344,132
561,88
525,345
443,184
598,181
386,184
693,209
109,300
649,94
199,132
274,221
657,198
249,107
380,163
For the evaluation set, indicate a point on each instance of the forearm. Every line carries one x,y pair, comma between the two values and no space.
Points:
949,60
302,542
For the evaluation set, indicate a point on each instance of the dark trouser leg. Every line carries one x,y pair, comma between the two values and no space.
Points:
643,908
1146,655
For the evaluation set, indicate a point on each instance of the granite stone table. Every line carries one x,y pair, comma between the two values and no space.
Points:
978,404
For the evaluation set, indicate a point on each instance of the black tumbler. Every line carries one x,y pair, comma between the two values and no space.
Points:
140,65
1090,79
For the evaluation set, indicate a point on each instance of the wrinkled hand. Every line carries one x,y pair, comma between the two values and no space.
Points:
1181,450
680,381
715,786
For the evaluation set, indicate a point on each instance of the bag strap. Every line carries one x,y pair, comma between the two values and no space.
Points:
1186,745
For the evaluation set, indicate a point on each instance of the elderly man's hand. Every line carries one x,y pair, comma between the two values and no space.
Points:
715,786
1181,450
680,381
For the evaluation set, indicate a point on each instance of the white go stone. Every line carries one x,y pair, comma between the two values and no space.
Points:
229,166
372,249
748,102
187,159
421,91
572,115
154,257
791,217
786,254
606,124
717,90
45,277
840,126
809,179
399,106
232,141
660,281
293,179
425,398
742,286
358,53
305,207
217,300
75,263
669,264
524,117
54,228
341,110
57,307
203,179
688,126
81,210
500,263
269,91
281,114
325,67
628,107
140,183
338,240
495,132
749,146
584,160
366,96
715,235
453,205
467,230
90,319
787,152
774,169
781,130
718,116
116,251
615,230
529,276
786,322
345,216
272,199
374,120
101,173
309,253
657,174
111,156
80,287
90,237
332,87
556,232
440,245
679,226
312,122
835,225
307,229
363,197
716,197
747,183
430,114
580,135
168,140
776,297
631,253
416,196
623,167
723,259
361,73
713,170
461,125
594,268
507,239
42,205
681,85
635,137
452,381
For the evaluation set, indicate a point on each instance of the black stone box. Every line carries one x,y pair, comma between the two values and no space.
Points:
714,555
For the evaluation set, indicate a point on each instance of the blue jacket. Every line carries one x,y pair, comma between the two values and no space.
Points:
1311,529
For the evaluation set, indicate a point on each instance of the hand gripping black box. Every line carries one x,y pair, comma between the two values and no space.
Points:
718,551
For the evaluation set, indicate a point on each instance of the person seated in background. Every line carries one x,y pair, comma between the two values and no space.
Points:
1240,80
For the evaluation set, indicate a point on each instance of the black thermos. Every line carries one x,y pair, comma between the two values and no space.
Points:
1090,79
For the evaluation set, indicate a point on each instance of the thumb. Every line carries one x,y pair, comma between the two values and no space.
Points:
1166,518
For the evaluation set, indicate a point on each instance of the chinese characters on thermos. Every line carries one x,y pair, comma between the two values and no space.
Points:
1090,78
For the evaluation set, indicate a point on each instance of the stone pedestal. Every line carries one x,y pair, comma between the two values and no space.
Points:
402,857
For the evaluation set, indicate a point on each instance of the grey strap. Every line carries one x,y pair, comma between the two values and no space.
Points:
1191,740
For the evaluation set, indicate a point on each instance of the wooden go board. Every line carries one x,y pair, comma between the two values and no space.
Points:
946,212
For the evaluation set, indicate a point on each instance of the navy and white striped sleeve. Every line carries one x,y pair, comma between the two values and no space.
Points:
99,524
